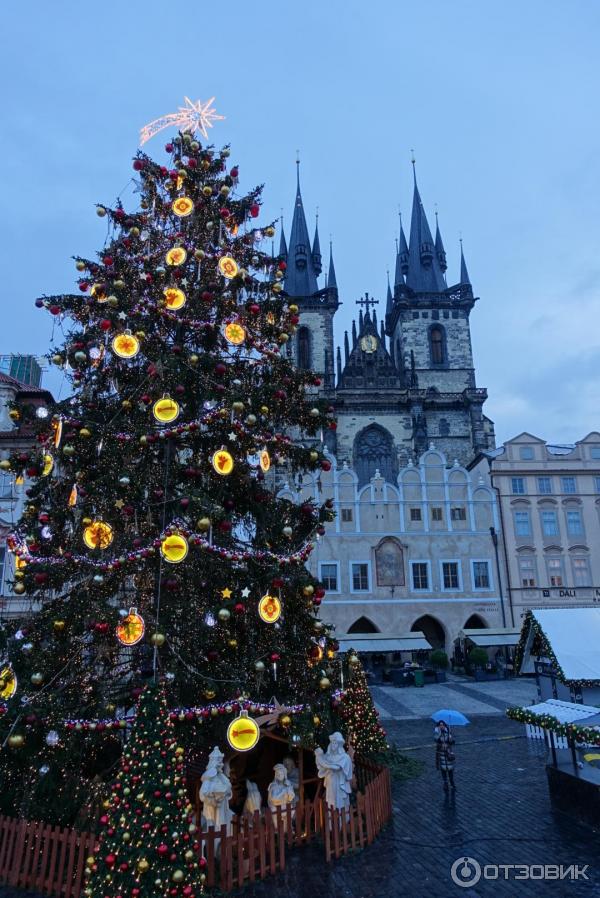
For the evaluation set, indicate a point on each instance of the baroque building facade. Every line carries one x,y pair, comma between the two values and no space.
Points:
411,546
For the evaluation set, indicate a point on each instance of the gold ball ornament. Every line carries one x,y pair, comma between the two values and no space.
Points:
308,590
207,191
16,741
143,865
178,876
353,661
237,406
285,720
19,588
174,548
189,855
316,720
158,639
203,525
4,465
270,232
324,683
165,410
79,265
85,433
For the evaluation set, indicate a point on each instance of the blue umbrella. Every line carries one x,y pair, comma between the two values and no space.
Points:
452,718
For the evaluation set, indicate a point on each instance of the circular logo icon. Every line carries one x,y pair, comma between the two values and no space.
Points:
174,548
269,609
165,410
465,872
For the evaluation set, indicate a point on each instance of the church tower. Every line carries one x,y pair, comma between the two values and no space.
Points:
312,346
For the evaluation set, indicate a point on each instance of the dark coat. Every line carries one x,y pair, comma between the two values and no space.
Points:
444,753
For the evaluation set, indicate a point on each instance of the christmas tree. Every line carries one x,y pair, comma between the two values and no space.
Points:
360,720
154,540
147,842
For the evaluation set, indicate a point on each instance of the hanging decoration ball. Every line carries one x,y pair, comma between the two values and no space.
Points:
308,590
37,678
165,410
174,298
265,460
8,682
178,876
324,683
228,267
287,531
353,661
59,626
48,464
259,666
269,609
174,548
131,629
222,462
16,741
203,525
224,614
52,738
98,535
285,720
125,345
234,333
182,207
19,588
143,865
243,732
176,256
157,639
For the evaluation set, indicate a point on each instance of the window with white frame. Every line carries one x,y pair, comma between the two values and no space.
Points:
526,453
549,523
481,575
581,571
569,485
522,523
458,513
420,574
527,570
574,523
347,515
360,576
518,486
450,575
329,576
595,452
556,576
545,486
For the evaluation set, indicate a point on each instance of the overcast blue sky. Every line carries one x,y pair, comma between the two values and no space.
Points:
499,100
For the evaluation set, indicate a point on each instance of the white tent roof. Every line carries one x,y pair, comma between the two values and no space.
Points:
489,637
574,635
565,712
383,642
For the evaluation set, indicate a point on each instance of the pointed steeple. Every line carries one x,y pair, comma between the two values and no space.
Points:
424,273
361,321
464,274
300,274
382,334
389,299
331,278
346,348
339,364
283,250
316,250
353,333
439,246
403,252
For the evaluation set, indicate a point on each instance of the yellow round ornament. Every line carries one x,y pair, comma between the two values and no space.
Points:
165,410
222,462
176,256
125,345
131,629
269,609
234,333
183,206
243,733
8,682
98,292
48,464
174,548
265,460
228,267
98,535
174,298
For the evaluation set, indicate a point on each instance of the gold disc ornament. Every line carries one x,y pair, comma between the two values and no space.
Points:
131,629
228,267
98,535
243,733
222,462
174,298
125,345
48,464
265,460
165,410
176,256
174,548
234,333
8,682
269,609
182,207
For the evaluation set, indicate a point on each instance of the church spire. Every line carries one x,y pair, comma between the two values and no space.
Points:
402,255
331,278
300,274
389,299
283,250
439,245
464,274
316,249
424,274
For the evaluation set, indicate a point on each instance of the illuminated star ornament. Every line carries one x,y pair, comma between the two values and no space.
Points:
196,116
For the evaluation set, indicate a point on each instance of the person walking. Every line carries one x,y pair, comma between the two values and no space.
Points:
444,754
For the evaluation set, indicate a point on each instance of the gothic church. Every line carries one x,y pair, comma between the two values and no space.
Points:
406,381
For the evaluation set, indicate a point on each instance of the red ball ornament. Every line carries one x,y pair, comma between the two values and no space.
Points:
110,860
192,163
275,656
54,310
169,147
239,608
138,164
234,171
105,324
108,260
282,265
162,849
254,210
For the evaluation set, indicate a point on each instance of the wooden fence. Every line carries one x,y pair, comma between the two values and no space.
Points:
51,860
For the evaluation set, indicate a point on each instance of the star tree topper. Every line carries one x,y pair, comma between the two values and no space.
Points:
196,116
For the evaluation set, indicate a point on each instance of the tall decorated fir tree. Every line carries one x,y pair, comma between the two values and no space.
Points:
154,540
360,720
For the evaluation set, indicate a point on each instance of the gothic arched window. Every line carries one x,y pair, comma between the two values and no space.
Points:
444,427
437,345
374,451
304,348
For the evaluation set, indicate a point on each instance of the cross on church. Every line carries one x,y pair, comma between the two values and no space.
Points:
366,302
